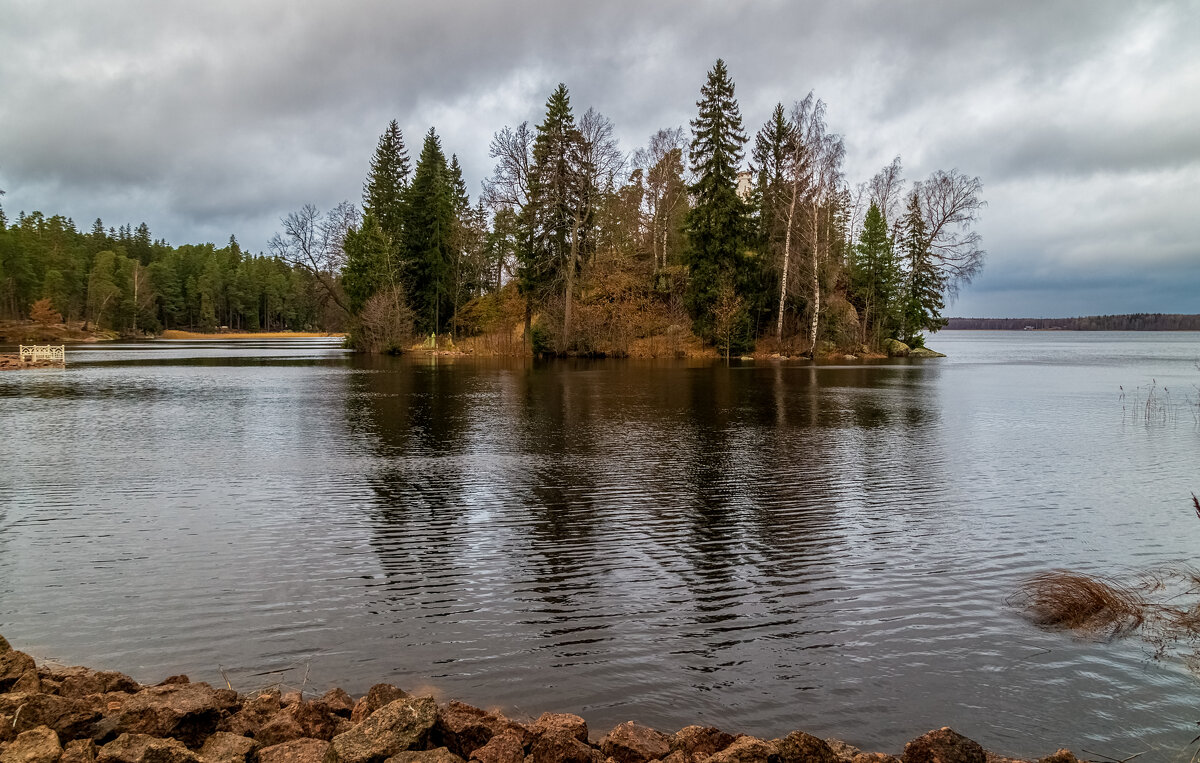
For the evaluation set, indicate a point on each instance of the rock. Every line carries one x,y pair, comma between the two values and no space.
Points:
223,747
29,682
281,727
1062,756
700,741
291,698
924,352
178,680
80,682
744,750
79,751
844,752
440,755
873,757
505,747
551,747
38,745
633,743
189,712
316,719
4,645
943,746
298,751
70,718
377,696
678,756
798,747
895,348
143,748
565,724
339,702
462,728
397,726
255,713
14,666
104,704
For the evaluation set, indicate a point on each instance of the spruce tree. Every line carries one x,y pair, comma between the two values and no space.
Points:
366,268
771,151
718,221
427,251
874,275
383,191
925,284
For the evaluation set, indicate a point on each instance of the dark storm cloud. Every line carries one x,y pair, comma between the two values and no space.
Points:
207,119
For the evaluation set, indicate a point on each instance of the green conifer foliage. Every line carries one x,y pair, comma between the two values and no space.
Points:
926,283
875,276
383,191
429,224
718,223
366,269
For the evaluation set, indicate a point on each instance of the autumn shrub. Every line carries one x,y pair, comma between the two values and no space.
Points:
385,324
43,312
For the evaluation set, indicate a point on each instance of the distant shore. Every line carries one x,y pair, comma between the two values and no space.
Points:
223,335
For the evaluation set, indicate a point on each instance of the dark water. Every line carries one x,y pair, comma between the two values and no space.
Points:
764,547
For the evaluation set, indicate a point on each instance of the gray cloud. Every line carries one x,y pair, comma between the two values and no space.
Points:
207,119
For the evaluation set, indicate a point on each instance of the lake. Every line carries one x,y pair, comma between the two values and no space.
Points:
764,547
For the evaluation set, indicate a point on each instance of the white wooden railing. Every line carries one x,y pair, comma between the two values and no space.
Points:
55,353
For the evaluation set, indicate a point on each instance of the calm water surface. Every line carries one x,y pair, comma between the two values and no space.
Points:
763,547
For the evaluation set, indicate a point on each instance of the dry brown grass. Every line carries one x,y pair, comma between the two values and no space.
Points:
1073,601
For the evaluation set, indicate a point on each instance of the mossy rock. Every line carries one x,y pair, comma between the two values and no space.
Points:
895,348
924,352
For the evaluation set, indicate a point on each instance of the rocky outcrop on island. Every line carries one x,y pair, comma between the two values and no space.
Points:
79,715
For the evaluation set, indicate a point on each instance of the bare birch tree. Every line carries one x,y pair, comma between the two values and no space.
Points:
315,243
951,203
663,163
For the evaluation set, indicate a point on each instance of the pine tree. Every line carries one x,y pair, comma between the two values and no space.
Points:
925,283
429,224
384,189
718,224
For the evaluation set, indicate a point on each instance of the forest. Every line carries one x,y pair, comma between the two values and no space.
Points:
703,239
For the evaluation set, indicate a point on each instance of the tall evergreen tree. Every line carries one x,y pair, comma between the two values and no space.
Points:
387,181
874,275
772,150
925,284
718,223
366,269
429,224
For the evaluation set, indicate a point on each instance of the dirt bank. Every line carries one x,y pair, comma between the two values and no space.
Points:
53,714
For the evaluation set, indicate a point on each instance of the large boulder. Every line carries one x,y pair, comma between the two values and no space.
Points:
143,748
700,741
744,750
565,724
396,727
463,729
943,745
633,743
253,715
505,747
78,682
798,747
223,747
38,745
339,702
298,751
924,352
282,727
560,748
895,348
1061,756
439,755
874,757
79,751
17,666
70,718
188,712
377,696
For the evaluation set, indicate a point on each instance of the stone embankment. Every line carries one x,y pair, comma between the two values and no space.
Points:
80,715
14,362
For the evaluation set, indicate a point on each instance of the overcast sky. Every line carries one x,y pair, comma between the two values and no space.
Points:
205,119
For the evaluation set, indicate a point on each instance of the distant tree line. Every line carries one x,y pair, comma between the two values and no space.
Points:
123,279
574,246
1128,322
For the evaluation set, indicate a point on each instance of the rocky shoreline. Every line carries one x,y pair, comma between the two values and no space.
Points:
80,715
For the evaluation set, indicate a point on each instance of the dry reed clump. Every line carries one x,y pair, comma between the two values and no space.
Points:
1073,601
